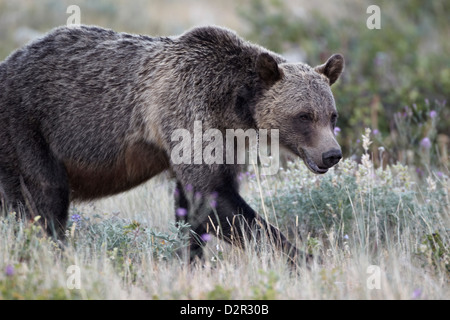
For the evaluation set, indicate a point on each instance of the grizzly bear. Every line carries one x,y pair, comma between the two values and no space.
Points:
87,112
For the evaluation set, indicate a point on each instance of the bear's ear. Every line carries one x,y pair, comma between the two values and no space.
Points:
332,69
267,68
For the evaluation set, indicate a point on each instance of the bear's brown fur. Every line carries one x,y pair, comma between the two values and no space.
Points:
86,112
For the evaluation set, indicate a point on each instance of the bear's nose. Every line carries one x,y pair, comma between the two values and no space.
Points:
330,158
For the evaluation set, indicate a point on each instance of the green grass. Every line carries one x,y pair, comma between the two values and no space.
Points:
355,216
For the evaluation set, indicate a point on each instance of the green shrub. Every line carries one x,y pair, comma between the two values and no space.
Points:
123,238
354,202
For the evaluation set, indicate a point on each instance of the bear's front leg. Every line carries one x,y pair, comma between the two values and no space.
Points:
237,221
215,207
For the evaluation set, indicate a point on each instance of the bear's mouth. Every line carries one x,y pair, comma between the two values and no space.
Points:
312,166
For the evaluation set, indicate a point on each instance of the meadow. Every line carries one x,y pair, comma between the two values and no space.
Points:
379,235
378,222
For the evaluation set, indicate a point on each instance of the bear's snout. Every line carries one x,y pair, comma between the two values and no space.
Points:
331,157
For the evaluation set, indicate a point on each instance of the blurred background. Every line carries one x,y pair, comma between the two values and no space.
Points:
397,78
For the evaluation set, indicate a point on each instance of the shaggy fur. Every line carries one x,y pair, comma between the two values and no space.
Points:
86,112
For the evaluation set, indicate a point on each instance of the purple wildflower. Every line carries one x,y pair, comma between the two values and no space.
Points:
181,212
433,114
206,237
376,131
336,131
189,187
213,203
198,196
9,270
406,111
75,218
425,143
417,293
419,171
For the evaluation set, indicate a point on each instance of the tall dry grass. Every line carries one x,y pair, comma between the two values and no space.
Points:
128,247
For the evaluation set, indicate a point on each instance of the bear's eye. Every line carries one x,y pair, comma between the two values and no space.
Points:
304,117
334,118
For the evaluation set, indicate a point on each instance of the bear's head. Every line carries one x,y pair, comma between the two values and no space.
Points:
297,100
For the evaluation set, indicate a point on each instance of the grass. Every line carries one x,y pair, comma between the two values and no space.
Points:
128,247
